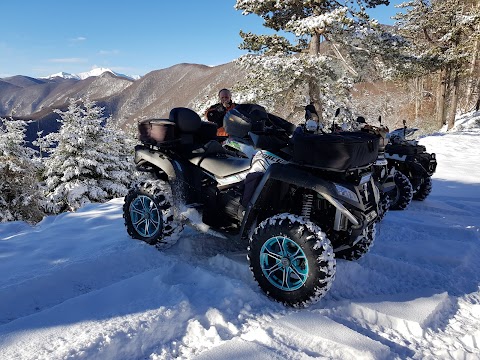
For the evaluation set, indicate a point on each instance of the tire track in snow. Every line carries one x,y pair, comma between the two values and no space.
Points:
74,279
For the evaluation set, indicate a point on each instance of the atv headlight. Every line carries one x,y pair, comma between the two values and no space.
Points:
347,193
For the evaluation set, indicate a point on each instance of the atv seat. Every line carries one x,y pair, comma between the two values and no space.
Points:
200,147
191,130
215,159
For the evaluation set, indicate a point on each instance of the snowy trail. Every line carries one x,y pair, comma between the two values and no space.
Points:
76,286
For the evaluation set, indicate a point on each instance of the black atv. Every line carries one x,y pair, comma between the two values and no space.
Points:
393,192
383,176
412,160
294,213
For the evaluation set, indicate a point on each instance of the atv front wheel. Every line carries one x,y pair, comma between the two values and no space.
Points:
401,196
149,214
384,206
292,260
424,189
364,243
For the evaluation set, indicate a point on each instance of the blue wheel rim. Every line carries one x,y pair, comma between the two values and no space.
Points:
284,263
146,216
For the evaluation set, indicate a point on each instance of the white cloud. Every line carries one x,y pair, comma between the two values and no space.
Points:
109,52
78,39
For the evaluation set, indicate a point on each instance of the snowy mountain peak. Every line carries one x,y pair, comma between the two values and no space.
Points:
93,72
62,74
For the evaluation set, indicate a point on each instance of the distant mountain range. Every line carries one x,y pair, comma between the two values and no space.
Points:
87,74
125,99
128,100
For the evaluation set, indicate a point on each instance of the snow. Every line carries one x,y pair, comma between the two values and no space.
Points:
97,71
63,75
76,286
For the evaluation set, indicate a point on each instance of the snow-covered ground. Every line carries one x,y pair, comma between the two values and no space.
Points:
76,286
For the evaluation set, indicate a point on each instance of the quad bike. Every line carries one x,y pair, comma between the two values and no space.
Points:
295,215
312,147
411,159
395,188
384,178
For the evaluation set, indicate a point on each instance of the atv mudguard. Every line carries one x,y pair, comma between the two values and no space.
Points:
288,174
412,169
418,174
145,156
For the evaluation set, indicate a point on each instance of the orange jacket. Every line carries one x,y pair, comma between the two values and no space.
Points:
215,114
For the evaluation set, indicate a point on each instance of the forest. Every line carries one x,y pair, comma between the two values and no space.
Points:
426,67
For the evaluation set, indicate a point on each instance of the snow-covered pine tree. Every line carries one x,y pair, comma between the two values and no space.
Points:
297,66
19,186
443,36
121,170
90,160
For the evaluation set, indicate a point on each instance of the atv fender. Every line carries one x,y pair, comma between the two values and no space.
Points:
144,156
418,174
418,169
290,175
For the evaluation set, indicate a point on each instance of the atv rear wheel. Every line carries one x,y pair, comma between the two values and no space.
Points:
424,189
149,214
364,243
401,196
292,260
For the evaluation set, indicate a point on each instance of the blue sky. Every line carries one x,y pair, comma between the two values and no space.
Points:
40,38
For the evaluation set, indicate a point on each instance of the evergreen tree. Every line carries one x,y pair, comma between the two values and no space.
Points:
19,190
293,67
90,161
443,37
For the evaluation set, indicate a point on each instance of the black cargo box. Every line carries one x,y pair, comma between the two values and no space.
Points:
337,151
158,132
404,149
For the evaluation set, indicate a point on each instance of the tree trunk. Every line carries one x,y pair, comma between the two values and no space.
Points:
474,70
454,102
441,96
418,85
477,104
472,74
313,89
315,99
314,48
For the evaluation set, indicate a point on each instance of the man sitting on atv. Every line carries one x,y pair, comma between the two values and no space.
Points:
215,113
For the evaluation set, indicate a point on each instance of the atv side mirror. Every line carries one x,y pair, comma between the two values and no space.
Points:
380,120
337,112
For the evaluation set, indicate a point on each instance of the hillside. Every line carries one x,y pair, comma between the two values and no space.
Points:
155,94
127,101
